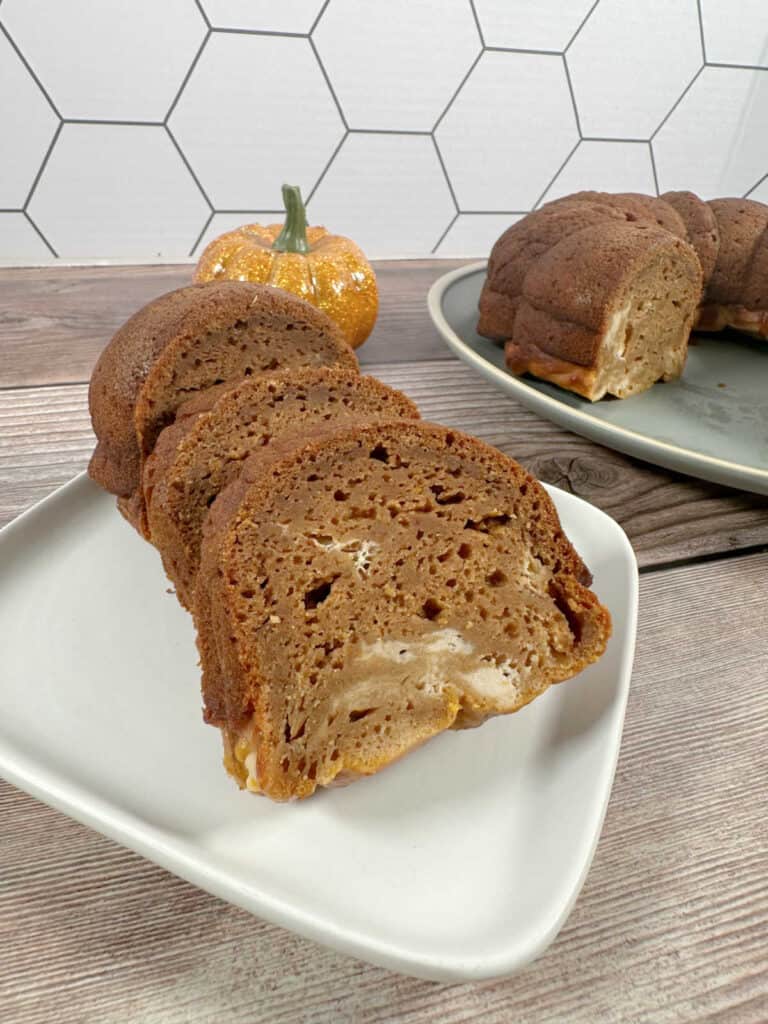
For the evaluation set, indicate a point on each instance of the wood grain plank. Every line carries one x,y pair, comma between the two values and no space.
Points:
672,924
54,321
45,439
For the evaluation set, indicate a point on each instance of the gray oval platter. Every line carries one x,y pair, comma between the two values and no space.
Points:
712,423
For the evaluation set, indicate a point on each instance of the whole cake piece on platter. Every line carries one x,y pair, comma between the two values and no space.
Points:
607,310
598,292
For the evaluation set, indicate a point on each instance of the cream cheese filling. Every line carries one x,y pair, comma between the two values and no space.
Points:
245,755
613,365
361,551
441,659
431,663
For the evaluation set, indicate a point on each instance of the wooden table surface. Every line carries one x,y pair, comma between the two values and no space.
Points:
672,923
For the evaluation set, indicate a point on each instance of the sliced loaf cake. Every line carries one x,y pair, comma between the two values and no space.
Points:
203,451
181,343
374,587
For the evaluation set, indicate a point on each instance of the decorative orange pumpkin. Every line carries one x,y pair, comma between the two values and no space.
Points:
329,271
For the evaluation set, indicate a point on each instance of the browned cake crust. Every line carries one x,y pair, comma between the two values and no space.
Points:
613,323
204,450
521,245
635,207
737,292
377,586
701,227
187,340
518,249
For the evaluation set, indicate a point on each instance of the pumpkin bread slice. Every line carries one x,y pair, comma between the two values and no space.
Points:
374,587
203,451
185,341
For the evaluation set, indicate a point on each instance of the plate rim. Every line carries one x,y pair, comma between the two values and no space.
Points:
188,861
723,471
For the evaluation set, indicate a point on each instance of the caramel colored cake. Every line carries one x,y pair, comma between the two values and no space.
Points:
376,586
186,341
598,292
633,207
205,449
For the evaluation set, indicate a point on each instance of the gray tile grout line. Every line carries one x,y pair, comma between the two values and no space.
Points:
435,247
572,95
676,104
460,86
203,229
175,142
607,138
757,184
187,76
41,235
448,181
331,90
28,66
520,49
248,212
735,67
556,175
203,13
653,168
387,131
327,167
188,165
580,26
43,164
258,32
319,15
701,31
479,28
115,122
494,213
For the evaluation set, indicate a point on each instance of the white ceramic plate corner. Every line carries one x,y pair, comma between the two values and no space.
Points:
460,862
712,423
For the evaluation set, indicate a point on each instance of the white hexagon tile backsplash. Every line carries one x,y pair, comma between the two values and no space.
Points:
138,132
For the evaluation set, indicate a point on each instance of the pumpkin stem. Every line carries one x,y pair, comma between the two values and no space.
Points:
293,237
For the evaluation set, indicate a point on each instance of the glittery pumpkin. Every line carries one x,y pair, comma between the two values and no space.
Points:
329,271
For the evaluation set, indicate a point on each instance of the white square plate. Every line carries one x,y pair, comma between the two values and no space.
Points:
460,862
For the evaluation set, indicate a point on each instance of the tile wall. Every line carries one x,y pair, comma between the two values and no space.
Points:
138,131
